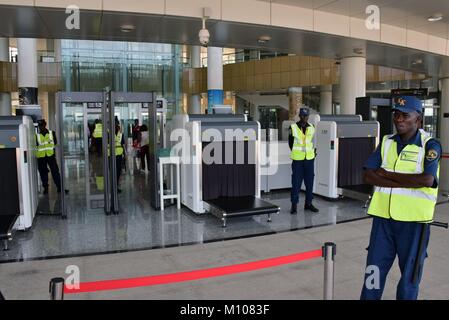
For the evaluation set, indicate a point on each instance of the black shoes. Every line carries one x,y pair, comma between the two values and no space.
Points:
311,208
293,210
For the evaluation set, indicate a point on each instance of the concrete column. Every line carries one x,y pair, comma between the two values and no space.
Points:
294,102
5,97
444,135
195,99
27,71
214,77
326,99
58,50
4,49
352,82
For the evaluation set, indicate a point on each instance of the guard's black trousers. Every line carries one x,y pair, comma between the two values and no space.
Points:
50,162
119,165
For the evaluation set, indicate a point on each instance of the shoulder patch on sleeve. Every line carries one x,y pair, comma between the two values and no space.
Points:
431,154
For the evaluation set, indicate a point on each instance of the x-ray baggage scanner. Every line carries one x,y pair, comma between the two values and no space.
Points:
343,143
343,147
18,175
220,170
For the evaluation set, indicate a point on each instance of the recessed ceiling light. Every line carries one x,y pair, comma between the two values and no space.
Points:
127,28
435,17
417,61
264,39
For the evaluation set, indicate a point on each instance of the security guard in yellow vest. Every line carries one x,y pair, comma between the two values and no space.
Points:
45,153
119,152
404,170
303,158
97,136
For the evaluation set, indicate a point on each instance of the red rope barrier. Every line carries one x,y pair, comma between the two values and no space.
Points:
192,275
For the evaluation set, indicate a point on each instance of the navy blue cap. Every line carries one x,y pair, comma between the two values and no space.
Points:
407,104
304,112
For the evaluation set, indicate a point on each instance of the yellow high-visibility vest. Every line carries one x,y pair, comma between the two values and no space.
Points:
98,131
404,204
45,145
303,147
118,145
99,181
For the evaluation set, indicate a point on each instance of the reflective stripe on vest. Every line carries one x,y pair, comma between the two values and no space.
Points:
98,131
45,145
404,204
303,147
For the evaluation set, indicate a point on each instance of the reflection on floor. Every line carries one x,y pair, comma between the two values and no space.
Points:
138,226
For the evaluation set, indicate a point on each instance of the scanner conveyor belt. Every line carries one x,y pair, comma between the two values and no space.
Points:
227,207
361,192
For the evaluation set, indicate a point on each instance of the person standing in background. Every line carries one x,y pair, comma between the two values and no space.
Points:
303,153
144,147
46,156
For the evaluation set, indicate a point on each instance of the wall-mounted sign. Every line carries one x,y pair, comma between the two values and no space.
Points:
410,92
94,105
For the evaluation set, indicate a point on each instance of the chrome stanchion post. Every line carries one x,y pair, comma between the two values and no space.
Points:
329,250
57,289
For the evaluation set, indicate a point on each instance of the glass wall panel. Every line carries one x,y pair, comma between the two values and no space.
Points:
124,66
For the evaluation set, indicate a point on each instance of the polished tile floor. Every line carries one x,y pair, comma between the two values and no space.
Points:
138,226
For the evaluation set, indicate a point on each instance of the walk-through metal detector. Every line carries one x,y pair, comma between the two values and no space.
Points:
75,110
116,99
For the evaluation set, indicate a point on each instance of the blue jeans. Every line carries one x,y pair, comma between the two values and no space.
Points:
302,170
388,239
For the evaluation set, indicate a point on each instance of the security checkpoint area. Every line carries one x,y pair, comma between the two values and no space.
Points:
204,150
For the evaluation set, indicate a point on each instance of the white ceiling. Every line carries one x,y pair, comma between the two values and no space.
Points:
19,21
411,14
